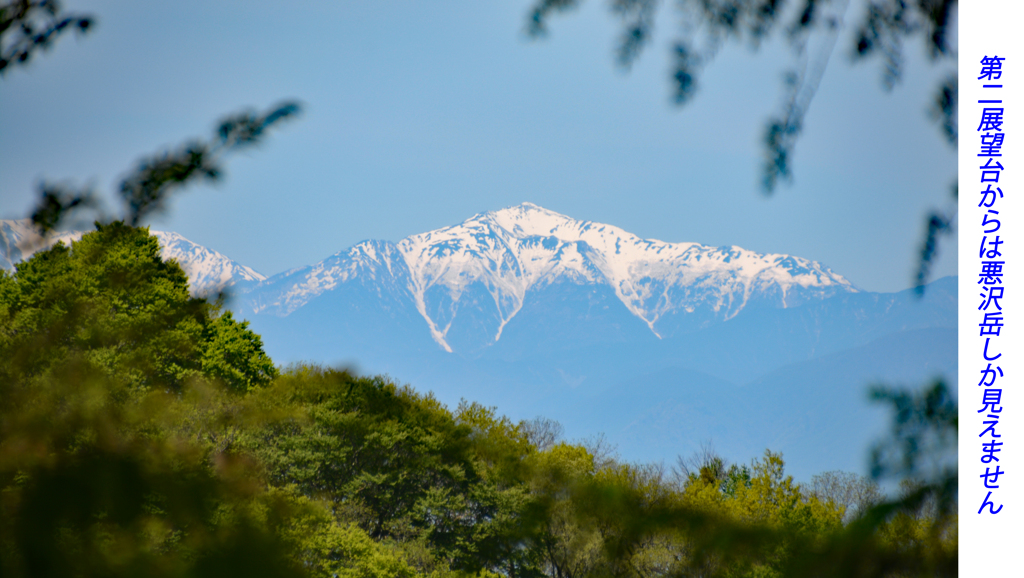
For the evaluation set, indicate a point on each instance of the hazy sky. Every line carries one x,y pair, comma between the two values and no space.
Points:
420,114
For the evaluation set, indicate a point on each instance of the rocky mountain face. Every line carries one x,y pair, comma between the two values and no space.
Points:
660,346
208,271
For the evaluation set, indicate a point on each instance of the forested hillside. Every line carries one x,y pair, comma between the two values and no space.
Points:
144,432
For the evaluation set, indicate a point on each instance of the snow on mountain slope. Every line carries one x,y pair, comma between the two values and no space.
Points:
208,271
504,254
377,262
18,240
516,248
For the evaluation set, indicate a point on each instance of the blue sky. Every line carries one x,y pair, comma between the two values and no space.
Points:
418,115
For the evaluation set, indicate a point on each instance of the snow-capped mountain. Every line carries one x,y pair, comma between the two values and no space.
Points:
467,282
18,240
208,271
491,262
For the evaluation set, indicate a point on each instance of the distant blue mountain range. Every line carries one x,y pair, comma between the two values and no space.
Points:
659,346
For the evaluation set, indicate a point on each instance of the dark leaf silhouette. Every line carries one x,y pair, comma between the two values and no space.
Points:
27,26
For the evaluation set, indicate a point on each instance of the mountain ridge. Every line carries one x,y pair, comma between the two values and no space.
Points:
500,256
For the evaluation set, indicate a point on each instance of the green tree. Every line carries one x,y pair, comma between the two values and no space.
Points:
568,546
234,354
111,301
442,488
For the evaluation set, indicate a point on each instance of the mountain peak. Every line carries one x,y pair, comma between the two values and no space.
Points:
500,256
525,206
527,220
